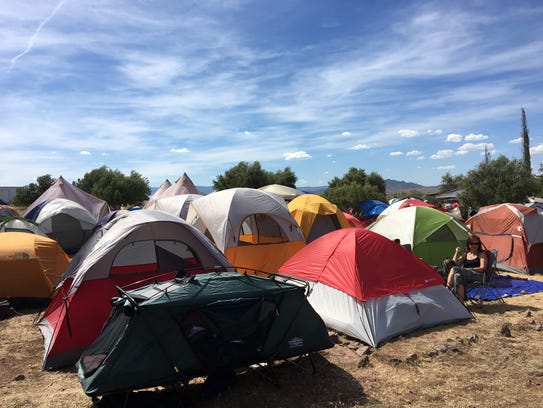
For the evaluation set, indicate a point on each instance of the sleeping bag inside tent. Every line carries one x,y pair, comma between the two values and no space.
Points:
199,325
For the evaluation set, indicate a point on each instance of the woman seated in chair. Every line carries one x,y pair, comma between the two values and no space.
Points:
469,267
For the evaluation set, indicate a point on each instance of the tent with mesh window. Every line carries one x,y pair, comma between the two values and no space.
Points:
174,331
316,215
131,250
432,235
252,227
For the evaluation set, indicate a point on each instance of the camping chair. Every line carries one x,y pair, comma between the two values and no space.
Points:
478,292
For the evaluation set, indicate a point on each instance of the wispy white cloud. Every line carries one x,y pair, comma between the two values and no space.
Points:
34,37
536,149
449,167
396,153
472,137
360,147
454,137
85,153
179,75
299,155
414,153
180,150
442,154
471,147
408,133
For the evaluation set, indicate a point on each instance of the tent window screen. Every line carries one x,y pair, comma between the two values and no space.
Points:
259,229
322,225
176,255
153,256
443,234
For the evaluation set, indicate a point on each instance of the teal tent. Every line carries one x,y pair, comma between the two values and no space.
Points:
189,327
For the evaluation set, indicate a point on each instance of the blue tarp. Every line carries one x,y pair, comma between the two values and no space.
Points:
371,208
506,286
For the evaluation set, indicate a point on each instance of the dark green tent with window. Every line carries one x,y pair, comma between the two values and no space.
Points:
189,327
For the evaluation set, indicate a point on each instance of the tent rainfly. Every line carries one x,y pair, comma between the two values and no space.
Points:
371,288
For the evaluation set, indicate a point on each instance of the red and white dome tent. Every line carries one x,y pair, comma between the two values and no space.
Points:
369,287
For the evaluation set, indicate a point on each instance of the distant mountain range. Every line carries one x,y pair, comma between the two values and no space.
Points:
392,186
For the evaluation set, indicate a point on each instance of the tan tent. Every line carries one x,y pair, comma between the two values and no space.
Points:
183,185
30,265
288,193
177,205
64,189
163,187
316,215
254,229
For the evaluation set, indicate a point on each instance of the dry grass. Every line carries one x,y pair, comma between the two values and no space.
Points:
473,364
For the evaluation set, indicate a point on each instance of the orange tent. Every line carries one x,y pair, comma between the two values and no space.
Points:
516,231
30,265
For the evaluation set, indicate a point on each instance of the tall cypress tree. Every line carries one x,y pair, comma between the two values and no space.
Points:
526,143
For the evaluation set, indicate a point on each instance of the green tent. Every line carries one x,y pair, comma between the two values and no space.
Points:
431,234
181,329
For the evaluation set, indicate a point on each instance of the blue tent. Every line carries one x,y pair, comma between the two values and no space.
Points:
372,208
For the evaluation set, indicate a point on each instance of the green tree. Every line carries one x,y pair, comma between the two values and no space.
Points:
253,176
28,194
354,188
497,181
285,177
114,187
525,142
449,182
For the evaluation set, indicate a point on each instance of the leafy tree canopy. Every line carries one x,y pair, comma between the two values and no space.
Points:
497,181
28,194
354,188
114,187
449,182
253,176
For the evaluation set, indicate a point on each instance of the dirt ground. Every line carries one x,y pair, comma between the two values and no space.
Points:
494,360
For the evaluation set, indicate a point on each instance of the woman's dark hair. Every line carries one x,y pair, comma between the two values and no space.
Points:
474,239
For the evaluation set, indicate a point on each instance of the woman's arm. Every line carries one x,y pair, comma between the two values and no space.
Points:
457,257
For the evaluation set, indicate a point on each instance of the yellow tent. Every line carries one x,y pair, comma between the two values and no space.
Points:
316,215
30,265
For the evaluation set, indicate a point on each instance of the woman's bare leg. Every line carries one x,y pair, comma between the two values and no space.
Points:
460,292
450,279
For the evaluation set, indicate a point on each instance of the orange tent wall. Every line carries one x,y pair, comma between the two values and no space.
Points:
30,265
267,258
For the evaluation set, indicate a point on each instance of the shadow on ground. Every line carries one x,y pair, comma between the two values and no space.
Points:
283,384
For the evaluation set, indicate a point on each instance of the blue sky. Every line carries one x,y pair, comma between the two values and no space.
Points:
408,89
